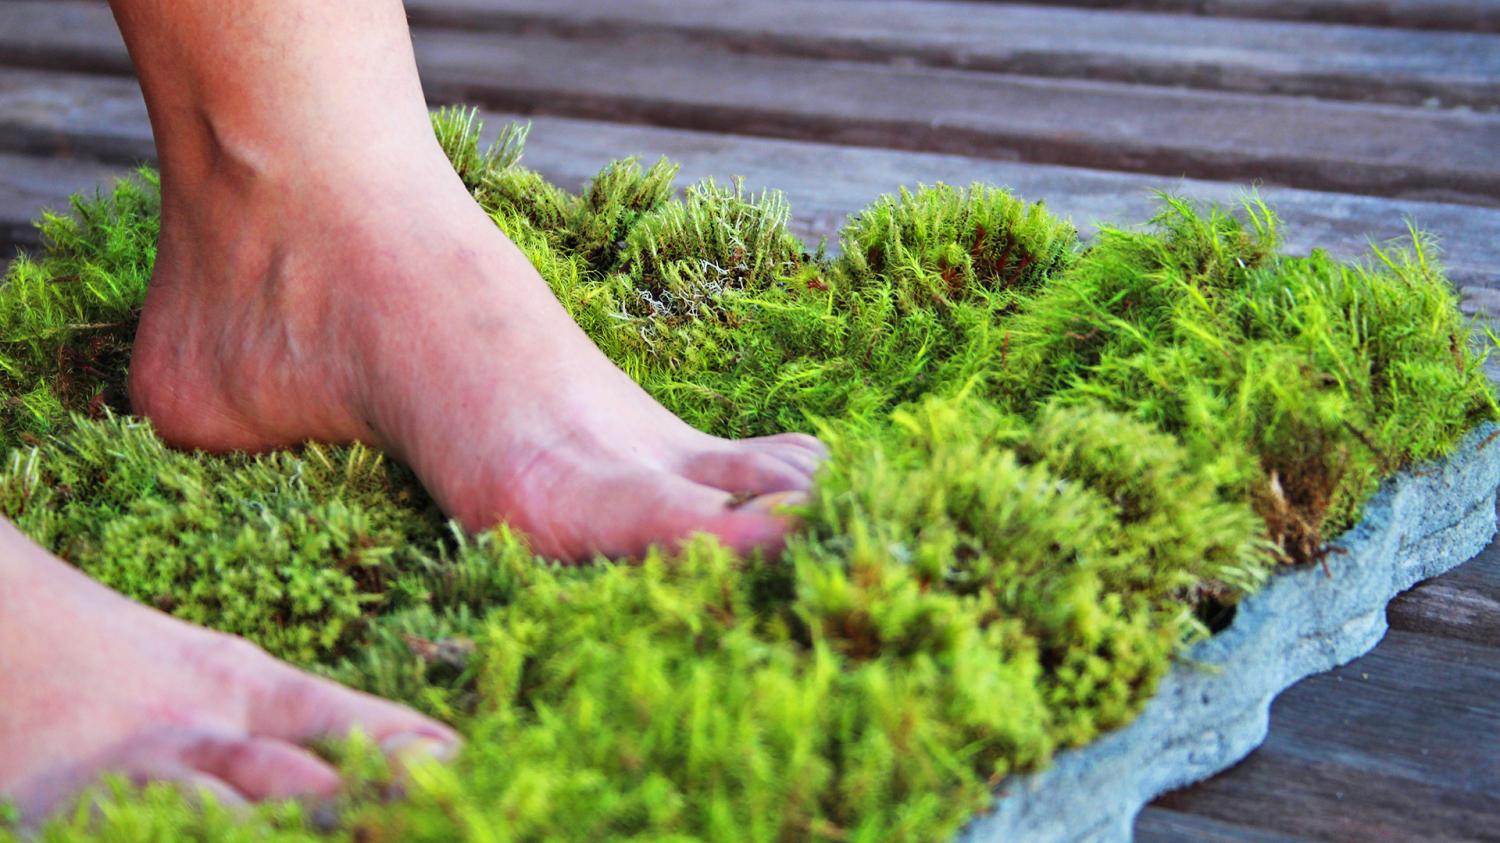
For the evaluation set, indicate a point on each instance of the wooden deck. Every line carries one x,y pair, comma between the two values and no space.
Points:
1353,116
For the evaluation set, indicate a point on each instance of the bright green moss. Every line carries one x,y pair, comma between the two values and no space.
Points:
610,207
1048,463
457,131
683,257
67,319
294,550
943,244
1297,382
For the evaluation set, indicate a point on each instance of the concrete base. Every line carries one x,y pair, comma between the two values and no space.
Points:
1214,706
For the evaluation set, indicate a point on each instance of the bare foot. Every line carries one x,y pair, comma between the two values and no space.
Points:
321,303
93,683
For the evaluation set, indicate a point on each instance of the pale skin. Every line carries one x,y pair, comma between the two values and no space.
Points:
323,275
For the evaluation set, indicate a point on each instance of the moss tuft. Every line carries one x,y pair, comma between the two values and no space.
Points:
683,257
942,243
67,318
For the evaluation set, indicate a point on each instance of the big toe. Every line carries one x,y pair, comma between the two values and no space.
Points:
804,442
627,516
239,768
301,708
745,519
749,470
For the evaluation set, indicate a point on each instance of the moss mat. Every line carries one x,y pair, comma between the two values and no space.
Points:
1053,468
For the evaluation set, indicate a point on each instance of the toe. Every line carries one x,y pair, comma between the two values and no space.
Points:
748,470
802,441
169,757
625,515
262,768
800,458
760,522
202,786
300,708
409,750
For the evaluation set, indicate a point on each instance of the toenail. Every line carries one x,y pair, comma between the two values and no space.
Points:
739,499
772,503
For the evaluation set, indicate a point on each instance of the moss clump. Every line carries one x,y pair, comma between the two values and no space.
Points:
295,550
1047,460
942,244
67,320
1297,381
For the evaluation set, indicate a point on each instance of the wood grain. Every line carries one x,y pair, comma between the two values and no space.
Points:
1456,15
1340,62
1384,150
1403,744
1465,605
30,185
1360,148
52,113
1160,825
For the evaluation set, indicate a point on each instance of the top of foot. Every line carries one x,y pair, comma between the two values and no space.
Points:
397,314
94,683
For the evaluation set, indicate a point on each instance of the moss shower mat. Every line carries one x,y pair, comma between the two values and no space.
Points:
1073,536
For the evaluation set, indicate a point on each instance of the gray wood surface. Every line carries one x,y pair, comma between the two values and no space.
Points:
1161,825
1342,62
1430,154
29,185
1457,15
1401,745
1411,153
79,114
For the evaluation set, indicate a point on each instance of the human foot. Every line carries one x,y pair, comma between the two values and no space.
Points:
93,683
317,303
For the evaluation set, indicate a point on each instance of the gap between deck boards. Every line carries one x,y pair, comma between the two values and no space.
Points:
48,113
1455,15
1374,149
1402,744
1332,61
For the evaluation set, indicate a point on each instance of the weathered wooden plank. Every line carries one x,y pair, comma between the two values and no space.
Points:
1465,604
1402,744
1469,614
1159,825
1323,801
68,35
1384,150
71,114
1358,148
1440,728
1456,15
30,185
1344,62
45,111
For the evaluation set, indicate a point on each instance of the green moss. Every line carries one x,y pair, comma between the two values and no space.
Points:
612,204
294,550
458,133
943,244
1048,460
1298,382
683,257
68,318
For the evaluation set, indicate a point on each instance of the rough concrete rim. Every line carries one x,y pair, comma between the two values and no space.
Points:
1213,708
